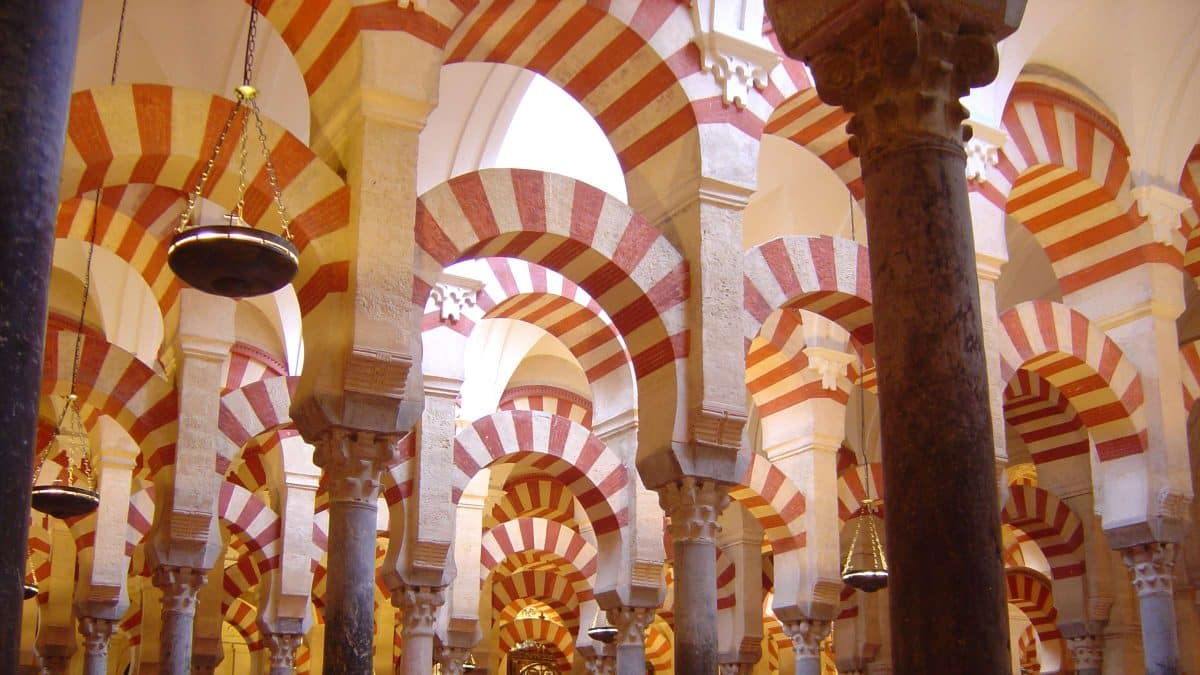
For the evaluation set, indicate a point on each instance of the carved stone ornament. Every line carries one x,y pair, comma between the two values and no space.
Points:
419,604
452,659
179,586
452,300
732,46
1152,566
735,668
900,72
806,635
631,623
830,364
352,462
693,506
96,634
600,665
1087,651
283,649
1161,208
377,372
983,151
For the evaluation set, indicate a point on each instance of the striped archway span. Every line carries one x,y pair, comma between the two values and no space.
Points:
1189,184
593,473
260,463
250,363
548,398
543,585
115,383
552,609
526,535
397,482
820,128
1064,174
539,560
168,144
1050,523
847,603
1066,349
515,632
1044,418
615,255
829,276
1027,652
660,646
775,501
1030,592
1189,362
244,618
778,372
533,497
253,409
140,518
852,488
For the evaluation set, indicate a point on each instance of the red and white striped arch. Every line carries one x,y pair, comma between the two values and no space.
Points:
537,534
1189,361
1027,650
551,399
1065,349
168,144
551,609
775,501
660,649
1064,174
533,497
252,470
1031,593
1052,524
141,517
777,374
581,461
397,482
254,409
249,363
244,618
544,585
829,276
115,383
254,522
852,488
821,129
1044,418
1189,184
847,603
238,579
515,632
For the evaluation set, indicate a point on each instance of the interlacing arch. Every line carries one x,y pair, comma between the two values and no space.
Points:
820,128
514,633
140,518
243,617
617,257
1027,652
114,382
168,146
1031,593
1065,349
252,410
1052,524
550,607
778,376
1064,174
1044,418
254,522
774,501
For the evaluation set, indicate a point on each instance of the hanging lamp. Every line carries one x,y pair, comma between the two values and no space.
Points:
865,565
234,259
603,633
29,586
469,664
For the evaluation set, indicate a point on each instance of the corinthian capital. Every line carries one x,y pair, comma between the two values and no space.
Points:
1152,566
631,623
419,604
693,506
899,66
806,635
179,587
353,461
283,649
96,634
1087,651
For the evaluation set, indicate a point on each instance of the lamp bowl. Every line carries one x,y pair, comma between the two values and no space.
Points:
64,501
30,590
868,580
233,261
605,634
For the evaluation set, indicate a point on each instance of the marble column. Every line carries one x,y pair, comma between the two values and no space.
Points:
283,648
631,624
692,506
806,638
900,74
1088,653
179,586
352,461
96,633
1152,567
419,605
452,659
37,48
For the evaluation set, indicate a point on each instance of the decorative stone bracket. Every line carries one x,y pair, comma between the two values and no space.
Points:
454,295
983,150
732,47
1161,208
830,364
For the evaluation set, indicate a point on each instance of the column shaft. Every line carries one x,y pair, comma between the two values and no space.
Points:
631,624
37,48
96,634
350,590
179,587
1152,567
806,636
419,605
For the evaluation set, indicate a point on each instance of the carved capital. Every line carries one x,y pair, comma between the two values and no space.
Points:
806,635
283,648
693,506
1152,566
353,461
829,364
1087,651
452,659
96,634
600,665
419,605
179,586
631,623
735,668
983,151
453,296
900,72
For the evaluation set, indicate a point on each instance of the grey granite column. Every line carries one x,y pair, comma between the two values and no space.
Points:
631,624
899,68
37,50
1152,567
692,506
179,587
96,634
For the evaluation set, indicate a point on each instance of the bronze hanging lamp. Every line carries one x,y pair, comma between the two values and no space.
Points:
469,665
234,259
602,632
29,586
865,565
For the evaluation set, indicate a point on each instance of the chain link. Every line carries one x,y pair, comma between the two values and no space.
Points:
194,195
245,137
285,221
251,37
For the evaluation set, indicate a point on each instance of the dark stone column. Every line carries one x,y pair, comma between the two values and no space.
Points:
899,67
37,55
1152,567
693,506
352,462
179,587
